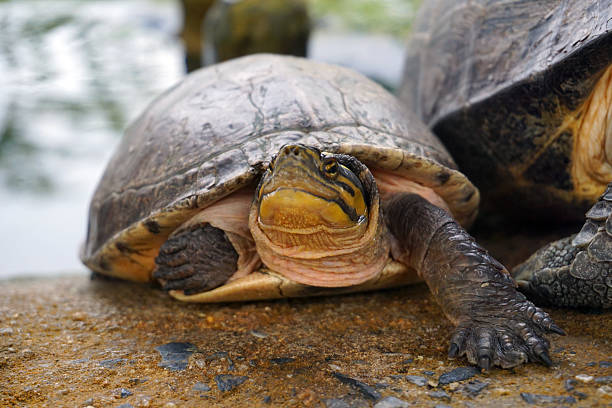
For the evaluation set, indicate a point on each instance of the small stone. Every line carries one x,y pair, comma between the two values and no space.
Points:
6,330
428,373
282,360
546,399
136,381
365,389
440,395
267,399
336,403
584,378
201,387
458,374
605,391
391,402
122,393
442,406
605,364
417,380
125,406
175,356
604,380
169,405
591,364
227,382
88,402
580,395
335,367
259,334
475,387
569,384
110,363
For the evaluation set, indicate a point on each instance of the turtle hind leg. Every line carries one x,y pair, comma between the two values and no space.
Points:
196,259
575,271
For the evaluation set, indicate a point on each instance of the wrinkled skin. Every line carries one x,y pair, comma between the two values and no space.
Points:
496,325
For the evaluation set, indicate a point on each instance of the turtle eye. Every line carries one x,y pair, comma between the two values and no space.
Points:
330,167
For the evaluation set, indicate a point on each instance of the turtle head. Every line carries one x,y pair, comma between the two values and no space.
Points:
305,188
312,214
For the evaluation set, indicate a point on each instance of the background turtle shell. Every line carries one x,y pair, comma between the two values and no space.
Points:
216,131
494,79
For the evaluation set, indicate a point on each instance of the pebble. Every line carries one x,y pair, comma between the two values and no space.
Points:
282,360
605,391
365,389
125,406
475,387
391,402
169,405
227,382
591,364
458,374
546,399
259,334
604,380
201,387
440,395
336,403
428,373
6,330
569,384
122,393
442,406
175,356
267,399
110,363
605,364
584,378
417,380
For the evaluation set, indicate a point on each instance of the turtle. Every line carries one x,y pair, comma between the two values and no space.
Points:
520,93
272,176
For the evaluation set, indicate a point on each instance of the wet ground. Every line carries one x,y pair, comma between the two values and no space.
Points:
71,341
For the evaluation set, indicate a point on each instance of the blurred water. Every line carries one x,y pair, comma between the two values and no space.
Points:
73,73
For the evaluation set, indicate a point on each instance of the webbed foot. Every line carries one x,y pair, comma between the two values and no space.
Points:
505,334
195,260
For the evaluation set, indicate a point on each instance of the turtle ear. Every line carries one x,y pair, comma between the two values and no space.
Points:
363,173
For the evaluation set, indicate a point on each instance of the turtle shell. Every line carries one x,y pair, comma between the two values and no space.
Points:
504,85
216,132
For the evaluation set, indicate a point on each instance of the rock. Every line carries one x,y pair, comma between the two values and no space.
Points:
442,406
591,364
175,356
417,380
440,395
365,389
584,378
458,374
282,360
6,330
580,395
604,380
474,388
546,399
122,393
605,391
110,363
267,399
428,373
259,334
605,364
125,406
201,387
569,384
336,403
391,402
227,382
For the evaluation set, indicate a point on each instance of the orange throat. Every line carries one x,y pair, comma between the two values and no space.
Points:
320,255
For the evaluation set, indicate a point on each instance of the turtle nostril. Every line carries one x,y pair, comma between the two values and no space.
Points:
295,151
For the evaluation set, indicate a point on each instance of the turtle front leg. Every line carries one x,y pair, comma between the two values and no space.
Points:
196,259
575,271
496,324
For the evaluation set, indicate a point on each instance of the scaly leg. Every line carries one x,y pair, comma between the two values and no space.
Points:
496,324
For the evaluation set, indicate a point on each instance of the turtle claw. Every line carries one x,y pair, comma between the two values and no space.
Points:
507,338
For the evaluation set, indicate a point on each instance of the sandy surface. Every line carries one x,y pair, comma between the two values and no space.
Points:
70,341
